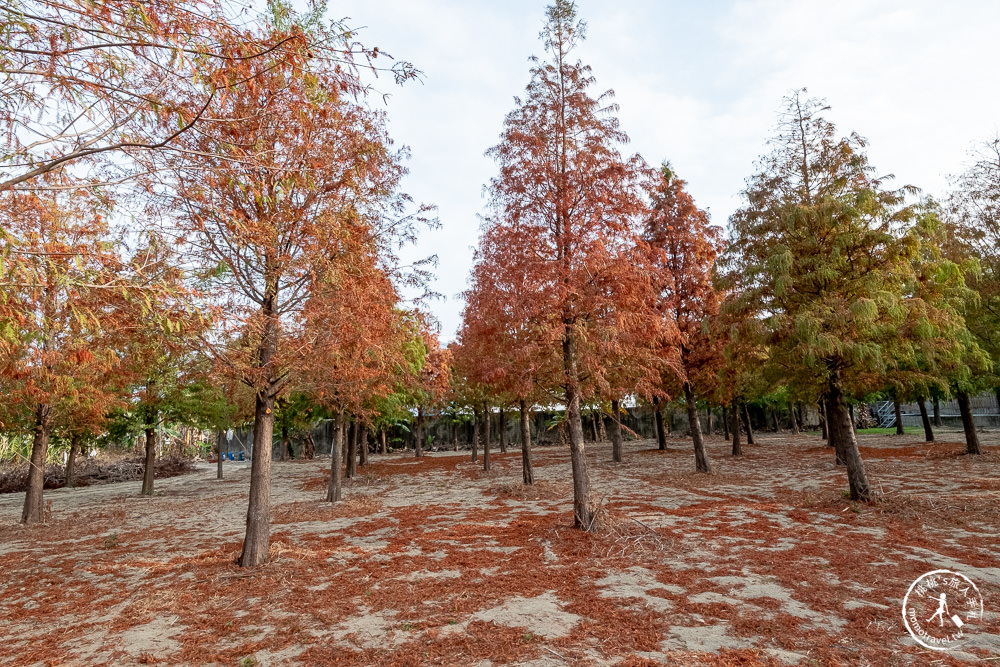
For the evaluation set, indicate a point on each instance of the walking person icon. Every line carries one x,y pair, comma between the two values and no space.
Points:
941,610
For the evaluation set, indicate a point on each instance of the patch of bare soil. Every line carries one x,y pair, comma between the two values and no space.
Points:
433,561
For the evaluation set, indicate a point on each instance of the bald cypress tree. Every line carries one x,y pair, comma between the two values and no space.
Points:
821,269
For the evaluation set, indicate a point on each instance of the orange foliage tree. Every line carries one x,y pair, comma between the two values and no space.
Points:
684,246
568,204
270,201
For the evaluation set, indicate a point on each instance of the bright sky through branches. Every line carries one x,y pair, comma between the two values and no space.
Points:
698,83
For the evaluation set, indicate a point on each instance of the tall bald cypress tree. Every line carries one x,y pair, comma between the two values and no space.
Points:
822,268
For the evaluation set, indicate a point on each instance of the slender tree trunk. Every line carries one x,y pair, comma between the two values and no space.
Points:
925,420
454,437
363,444
774,419
502,427
385,441
700,457
33,511
725,422
487,415
734,428
583,516
74,445
334,488
284,442
708,420
937,412
896,408
968,423
149,467
352,450
842,434
257,542
616,432
661,436
795,419
218,448
745,415
475,435
823,421
418,445
527,471
593,426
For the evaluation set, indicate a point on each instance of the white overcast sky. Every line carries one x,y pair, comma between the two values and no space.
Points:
698,83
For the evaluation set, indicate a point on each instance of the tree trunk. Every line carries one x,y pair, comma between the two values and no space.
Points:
774,419
899,417
149,467
795,419
824,422
527,471
583,516
734,428
218,447
708,420
725,422
968,423
701,463
842,435
745,416
487,415
593,425
284,442
937,412
602,432
418,439
925,420
334,488
74,445
257,542
661,436
616,432
363,444
996,394
33,511
475,435
352,450
454,437
502,427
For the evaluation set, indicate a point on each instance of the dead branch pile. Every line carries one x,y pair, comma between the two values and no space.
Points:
91,473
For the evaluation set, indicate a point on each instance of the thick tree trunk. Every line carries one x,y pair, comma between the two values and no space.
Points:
842,435
897,409
149,466
616,432
475,435
74,446
33,511
487,415
334,489
745,416
968,423
219,437
734,428
352,450
363,445
527,471
925,420
661,436
583,516
701,463
502,427
996,394
725,422
418,446
937,412
257,542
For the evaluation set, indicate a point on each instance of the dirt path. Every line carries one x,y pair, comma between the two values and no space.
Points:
433,562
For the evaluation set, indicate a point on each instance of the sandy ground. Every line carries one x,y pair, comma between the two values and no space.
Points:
432,561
